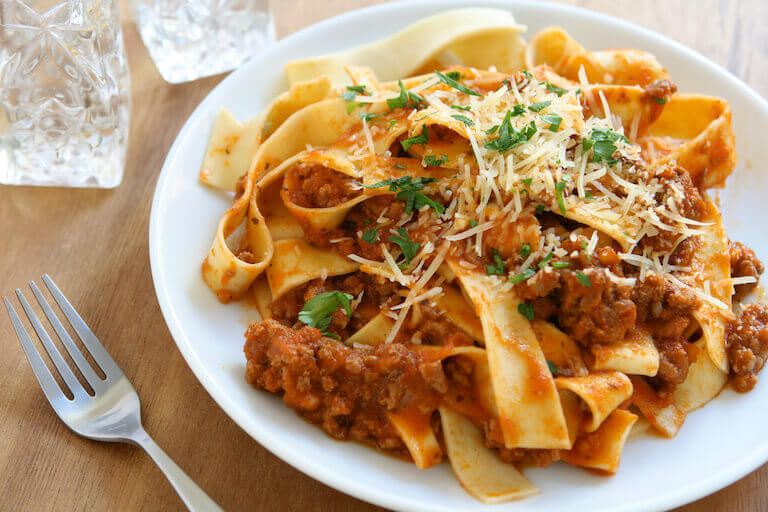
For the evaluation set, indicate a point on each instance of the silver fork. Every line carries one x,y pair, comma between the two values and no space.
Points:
112,413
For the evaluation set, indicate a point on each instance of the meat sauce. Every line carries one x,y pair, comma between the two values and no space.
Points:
349,391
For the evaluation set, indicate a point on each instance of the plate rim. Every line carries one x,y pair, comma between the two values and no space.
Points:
683,495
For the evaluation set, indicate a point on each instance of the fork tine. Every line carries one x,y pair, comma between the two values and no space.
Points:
58,361
74,352
91,342
51,390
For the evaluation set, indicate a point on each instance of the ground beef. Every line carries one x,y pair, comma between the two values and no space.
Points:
673,363
347,392
663,307
744,262
312,186
599,313
747,343
660,89
429,326
679,187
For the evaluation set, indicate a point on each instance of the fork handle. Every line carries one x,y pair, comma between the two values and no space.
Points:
190,493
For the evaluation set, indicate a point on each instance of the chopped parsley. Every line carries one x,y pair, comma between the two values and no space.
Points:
407,246
392,123
588,195
559,187
472,223
555,89
418,139
552,368
526,310
367,117
409,190
554,121
464,119
518,110
400,166
522,276
660,101
492,130
560,264
317,311
527,181
435,161
370,235
539,209
498,268
602,144
583,278
546,259
525,249
509,136
359,89
447,79
461,107
539,106
349,96
405,99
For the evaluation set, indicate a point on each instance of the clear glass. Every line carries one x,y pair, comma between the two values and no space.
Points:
189,39
64,93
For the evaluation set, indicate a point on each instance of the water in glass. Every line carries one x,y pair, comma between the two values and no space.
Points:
189,39
64,93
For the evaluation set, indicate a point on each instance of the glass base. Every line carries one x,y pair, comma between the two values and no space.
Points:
195,42
102,168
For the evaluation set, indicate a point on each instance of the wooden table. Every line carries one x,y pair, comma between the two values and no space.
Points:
94,243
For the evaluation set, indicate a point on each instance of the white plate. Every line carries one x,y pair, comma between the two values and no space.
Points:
716,446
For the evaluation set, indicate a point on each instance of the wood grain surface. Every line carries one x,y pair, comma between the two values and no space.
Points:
94,243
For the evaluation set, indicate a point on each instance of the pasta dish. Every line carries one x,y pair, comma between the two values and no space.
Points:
502,253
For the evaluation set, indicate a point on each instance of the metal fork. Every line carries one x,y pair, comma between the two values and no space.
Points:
112,412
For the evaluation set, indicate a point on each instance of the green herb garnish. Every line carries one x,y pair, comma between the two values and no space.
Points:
456,85
409,190
435,161
660,101
418,139
405,99
408,247
472,223
552,368
370,235
461,107
525,249
464,119
559,188
555,89
522,276
367,117
498,268
539,106
509,136
526,310
602,144
560,264
554,121
546,259
317,310
583,278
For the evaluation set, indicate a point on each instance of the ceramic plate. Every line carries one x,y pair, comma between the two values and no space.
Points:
717,445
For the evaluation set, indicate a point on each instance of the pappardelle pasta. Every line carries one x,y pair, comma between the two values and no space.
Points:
495,250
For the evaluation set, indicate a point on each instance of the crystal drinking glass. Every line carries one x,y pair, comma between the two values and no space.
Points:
64,93
189,39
